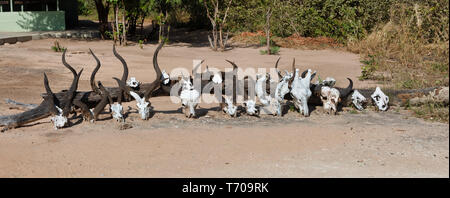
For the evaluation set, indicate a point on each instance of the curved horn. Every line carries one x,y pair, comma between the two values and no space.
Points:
293,66
124,64
67,64
304,73
70,94
50,96
157,82
92,80
276,68
345,92
234,64
196,67
105,92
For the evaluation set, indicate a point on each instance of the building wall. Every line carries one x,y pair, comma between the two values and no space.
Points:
32,21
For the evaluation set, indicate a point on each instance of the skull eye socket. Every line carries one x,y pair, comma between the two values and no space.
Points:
377,97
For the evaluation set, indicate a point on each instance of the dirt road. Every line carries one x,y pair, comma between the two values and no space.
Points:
364,144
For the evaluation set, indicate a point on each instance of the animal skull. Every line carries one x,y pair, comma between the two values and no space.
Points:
259,89
301,92
133,82
330,99
189,97
142,105
358,100
116,110
380,99
230,109
251,107
59,121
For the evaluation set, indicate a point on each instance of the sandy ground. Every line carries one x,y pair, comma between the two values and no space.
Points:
364,144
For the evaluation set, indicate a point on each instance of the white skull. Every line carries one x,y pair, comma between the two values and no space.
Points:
59,121
142,105
283,87
251,107
301,92
380,99
116,110
165,77
358,100
132,82
230,109
330,99
189,98
260,91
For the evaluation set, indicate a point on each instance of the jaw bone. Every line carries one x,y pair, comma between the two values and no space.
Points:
301,91
142,105
380,99
358,100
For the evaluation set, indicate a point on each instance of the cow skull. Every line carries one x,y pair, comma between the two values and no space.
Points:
301,92
59,121
189,97
380,99
358,100
142,105
330,99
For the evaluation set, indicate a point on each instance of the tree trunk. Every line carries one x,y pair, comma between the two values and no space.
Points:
269,13
102,11
124,32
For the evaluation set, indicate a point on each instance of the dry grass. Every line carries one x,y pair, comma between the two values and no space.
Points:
398,54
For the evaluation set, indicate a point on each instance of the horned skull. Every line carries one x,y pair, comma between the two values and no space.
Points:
142,105
301,92
380,99
133,82
59,121
330,99
358,100
189,97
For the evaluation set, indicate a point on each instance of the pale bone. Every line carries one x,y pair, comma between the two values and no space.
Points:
116,110
358,100
189,98
132,82
142,105
59,121
330,98
230,108
165,77
251,107
380,99
301,92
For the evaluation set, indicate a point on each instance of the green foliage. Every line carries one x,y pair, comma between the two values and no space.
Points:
85,7
368,68
57,47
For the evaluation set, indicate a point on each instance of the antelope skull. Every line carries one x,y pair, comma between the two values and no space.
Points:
133,82
230,108
165,77
358,100
116,110
59,121
189,97
380,99
251,107
142,105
